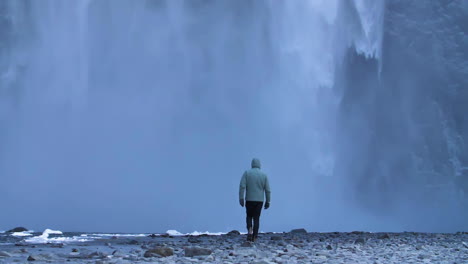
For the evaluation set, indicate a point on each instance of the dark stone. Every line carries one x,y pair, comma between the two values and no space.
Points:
56,245
276,238
329,247
193,239
145,247
17,229
384,236
357,232
197,251
133,242
246,244
360,241
74,250
31,258
159,252
233,233
153,236
299,231
231,254
96,254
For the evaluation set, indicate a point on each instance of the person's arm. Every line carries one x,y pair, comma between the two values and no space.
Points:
267,191
242,187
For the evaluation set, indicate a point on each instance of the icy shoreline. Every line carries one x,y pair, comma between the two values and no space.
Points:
297,247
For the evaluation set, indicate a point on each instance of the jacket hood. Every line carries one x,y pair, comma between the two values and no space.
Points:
256,163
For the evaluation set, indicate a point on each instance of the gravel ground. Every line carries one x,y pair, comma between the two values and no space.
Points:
292,247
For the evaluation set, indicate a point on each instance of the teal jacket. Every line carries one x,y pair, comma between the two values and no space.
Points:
255,183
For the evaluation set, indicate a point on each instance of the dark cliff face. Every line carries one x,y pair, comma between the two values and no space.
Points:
403,122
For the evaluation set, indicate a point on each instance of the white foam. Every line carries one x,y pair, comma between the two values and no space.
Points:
52,232
196,233
119,235
44,238
174,233
22,234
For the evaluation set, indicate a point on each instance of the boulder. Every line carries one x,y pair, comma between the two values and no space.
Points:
299,231
197,251
31,258
276,238
17,229
233,233
159,252
133,242
360,241
384,236
329,247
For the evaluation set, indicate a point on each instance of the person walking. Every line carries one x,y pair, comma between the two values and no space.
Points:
256,188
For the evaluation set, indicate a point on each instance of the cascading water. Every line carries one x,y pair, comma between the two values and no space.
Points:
148,111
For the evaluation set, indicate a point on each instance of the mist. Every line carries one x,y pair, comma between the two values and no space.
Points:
141,116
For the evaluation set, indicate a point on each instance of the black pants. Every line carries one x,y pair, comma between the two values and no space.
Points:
254,209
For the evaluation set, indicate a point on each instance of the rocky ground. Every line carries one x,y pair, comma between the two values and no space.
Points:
293,247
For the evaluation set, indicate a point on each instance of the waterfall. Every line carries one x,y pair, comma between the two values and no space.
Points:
118,108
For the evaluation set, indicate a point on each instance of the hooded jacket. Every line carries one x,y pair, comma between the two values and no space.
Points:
255,184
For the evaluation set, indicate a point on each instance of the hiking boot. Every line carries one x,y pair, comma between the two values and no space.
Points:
250,235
